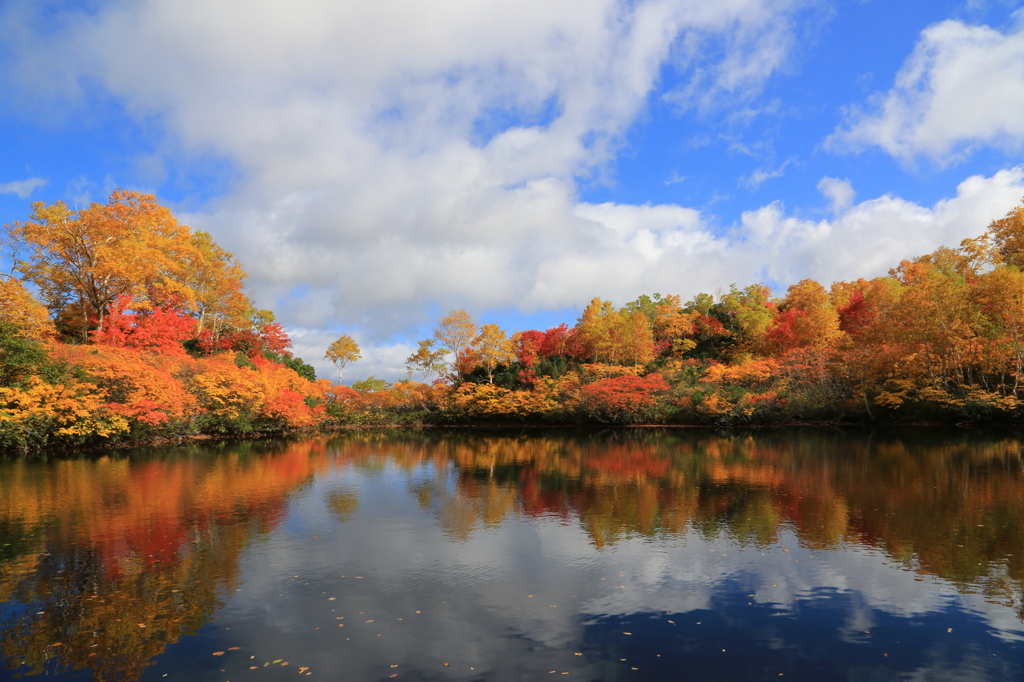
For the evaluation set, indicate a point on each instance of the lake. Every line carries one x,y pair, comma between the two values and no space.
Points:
445,555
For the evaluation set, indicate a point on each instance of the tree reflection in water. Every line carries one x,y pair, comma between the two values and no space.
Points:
104,561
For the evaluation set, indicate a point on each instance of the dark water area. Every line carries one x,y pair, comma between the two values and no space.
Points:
628,555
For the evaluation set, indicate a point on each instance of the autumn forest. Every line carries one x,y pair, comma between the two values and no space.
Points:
120,325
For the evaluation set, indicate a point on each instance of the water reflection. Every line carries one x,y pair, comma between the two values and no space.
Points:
815,554
105,561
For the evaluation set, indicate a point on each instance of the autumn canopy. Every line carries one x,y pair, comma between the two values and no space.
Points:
119,323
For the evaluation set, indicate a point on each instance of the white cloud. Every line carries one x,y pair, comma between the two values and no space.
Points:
963,86
762,175
627,250
22,188
396,154
397,158
839,193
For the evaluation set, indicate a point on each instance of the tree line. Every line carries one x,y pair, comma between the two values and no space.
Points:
119,323
939,338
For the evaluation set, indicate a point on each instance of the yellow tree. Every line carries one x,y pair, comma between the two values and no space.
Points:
751,311
455,333
130,245
615,336
342,352
493,348
1007,234
808,319
19,308
597,330
215,282
426,360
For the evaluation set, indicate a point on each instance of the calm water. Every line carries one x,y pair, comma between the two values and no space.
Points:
615,556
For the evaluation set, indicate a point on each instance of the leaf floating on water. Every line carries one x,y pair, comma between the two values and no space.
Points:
579,653
218,653
57,644
627,633
447,664
278,661
234,648
303,669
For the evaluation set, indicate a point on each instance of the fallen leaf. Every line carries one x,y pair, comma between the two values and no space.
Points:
234,648
303,669
57,644
218,653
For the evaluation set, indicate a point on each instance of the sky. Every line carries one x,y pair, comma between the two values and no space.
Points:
374,165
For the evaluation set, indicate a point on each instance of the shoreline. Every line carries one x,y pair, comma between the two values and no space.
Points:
178,441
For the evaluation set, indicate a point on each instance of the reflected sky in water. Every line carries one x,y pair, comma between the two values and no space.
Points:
627,555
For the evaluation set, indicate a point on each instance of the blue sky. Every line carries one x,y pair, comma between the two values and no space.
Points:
374,165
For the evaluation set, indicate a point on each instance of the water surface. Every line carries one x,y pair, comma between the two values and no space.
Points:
629,555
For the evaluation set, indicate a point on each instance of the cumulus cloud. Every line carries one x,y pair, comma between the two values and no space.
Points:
963,86
397,159
673,249
396,154
626,250
22,188
839,192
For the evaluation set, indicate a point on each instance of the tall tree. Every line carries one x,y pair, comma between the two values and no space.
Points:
426,360
342,352
215,286
493,348
1007,234
20,308
130,245
455,333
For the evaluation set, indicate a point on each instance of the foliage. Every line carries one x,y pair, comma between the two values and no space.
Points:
426,360
624,399
40,414
23,312
343,351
